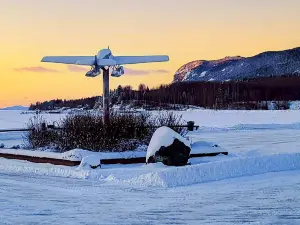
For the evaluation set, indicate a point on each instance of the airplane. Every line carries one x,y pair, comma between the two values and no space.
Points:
105,60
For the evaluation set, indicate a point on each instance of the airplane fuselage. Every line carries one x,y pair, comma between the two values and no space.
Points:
104,54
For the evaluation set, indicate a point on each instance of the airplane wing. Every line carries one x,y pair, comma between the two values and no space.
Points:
120,60
78,60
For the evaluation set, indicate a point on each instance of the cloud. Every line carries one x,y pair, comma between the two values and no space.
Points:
130,71
161,71
77,69
36,69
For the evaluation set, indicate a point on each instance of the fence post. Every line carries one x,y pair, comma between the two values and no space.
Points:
190,125
44,127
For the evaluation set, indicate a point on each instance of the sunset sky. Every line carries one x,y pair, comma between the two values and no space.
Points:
186,30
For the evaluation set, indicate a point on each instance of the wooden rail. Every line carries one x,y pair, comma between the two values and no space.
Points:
15,130
190,127
65,162
34,159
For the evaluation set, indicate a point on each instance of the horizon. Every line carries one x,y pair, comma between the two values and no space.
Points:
186,31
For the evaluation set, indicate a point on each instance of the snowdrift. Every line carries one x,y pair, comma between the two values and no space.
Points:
226,169
158,175
75,154
79,154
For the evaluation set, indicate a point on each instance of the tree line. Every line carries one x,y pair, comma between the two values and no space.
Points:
247,93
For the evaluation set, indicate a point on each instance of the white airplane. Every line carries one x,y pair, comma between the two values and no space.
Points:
104,60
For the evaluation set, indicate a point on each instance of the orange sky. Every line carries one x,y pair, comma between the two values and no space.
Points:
185,30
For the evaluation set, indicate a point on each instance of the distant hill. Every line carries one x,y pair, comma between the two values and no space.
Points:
17,107
266,64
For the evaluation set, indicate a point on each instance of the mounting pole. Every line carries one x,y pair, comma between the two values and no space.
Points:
105,96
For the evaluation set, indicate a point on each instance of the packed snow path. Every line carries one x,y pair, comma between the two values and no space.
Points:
272,198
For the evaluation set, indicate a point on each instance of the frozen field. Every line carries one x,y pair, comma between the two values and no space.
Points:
258,183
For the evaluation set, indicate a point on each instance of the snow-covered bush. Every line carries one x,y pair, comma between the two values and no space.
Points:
2,145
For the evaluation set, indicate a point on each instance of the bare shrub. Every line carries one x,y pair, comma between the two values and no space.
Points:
38,136
170,119
87,131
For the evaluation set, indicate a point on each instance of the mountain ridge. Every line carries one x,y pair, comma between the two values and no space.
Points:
264,64
15,107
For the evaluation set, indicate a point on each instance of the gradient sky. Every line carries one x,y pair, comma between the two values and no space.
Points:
185,30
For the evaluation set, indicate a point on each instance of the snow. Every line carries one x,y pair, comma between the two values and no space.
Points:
205,147
238,118
265,199
186,75
258,181
78,154
75,154
203,74
41,154
208,118
211,79
14,119
202,170
226,169
163,136
92,161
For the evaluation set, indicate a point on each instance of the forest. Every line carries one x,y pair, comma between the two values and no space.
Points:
239,94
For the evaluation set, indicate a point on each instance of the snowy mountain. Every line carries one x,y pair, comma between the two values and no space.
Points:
17,107
271,63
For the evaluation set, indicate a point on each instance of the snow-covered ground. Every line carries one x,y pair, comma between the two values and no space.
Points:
258,183
205,118
265,199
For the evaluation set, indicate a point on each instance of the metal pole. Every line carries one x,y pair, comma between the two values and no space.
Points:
105,96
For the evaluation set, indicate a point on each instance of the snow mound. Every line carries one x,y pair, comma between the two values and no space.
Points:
205,147
75,154
227,169
158,175
79,154
90,162
163,136
23,167
33,153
